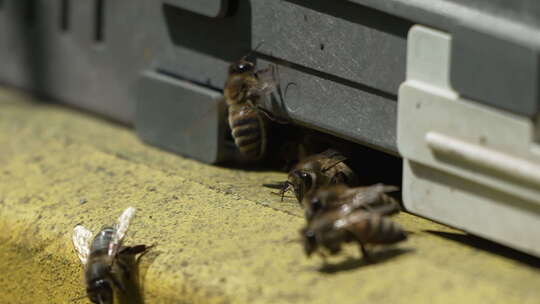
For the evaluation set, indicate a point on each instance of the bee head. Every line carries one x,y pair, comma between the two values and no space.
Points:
309,240
320,199
302,181
241,66
100,292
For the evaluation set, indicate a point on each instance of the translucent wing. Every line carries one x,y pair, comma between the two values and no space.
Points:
120,230
374,198
331,153
266,82
81,241
371,195
335,156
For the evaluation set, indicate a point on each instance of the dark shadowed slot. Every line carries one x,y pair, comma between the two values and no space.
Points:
30,12
327,76
232,8
99,22
64,14
226,38
1,4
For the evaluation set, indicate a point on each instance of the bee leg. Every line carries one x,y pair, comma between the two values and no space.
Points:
266,70
286,186
266,113
365,254
133,250
124,268
117,283
271,116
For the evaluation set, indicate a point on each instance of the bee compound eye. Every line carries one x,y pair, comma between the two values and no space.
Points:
306,178
242,67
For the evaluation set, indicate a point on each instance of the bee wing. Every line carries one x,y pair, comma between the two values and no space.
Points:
365,196
385,188
120,230
266,84
331,153
81,241
335,157
374,198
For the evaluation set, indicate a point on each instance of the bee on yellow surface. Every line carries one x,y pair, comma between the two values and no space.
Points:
328,231
101,257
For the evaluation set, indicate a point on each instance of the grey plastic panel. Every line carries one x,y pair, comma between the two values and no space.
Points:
443,14
351,112
181,117
336,80
348,41
465,156
209,8
69,64
201,55
346,57
489,36
496,71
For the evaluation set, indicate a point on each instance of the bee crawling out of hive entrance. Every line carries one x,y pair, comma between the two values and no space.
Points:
344,188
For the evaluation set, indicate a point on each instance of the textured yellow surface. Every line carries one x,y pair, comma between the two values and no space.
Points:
221,237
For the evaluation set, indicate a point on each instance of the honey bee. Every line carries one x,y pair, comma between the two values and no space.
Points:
326,168
328,231
244,88
102,257
345,200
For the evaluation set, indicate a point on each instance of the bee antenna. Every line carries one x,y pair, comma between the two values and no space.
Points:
284,189
253,51
277,185
295,240
258,46
279,193
78,298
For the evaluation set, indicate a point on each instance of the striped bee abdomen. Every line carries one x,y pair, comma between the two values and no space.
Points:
248,131
98,266
377,229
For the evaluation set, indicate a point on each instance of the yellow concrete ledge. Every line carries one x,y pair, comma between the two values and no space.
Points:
221,238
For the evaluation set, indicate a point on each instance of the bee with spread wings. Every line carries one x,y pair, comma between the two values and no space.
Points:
101,257
338,214
346,200
328,231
